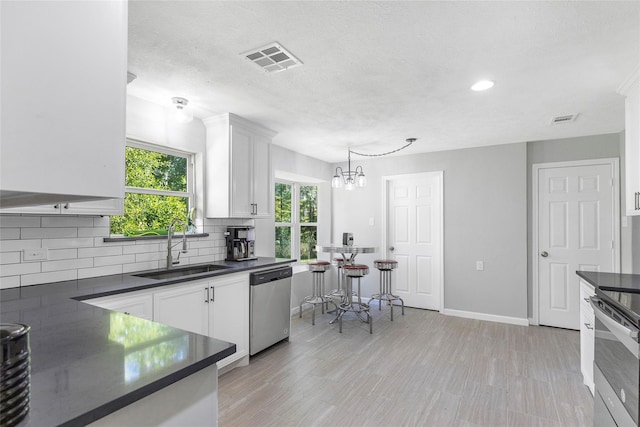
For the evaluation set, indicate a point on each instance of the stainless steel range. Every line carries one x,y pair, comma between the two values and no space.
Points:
617,357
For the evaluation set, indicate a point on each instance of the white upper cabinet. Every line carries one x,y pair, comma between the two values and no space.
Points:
631,90
63,82
95,207
238,168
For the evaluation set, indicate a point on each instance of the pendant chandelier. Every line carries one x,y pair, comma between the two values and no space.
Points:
355,178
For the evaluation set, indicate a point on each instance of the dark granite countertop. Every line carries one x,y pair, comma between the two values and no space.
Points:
86,362
616,281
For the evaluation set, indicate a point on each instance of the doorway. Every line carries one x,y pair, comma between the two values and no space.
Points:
576,226
413,236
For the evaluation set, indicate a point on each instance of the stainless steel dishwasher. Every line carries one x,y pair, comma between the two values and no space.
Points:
270,308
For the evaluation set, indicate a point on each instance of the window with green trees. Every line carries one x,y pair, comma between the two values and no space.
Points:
296,217
157,189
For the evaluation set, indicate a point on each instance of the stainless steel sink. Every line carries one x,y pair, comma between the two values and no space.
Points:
181,272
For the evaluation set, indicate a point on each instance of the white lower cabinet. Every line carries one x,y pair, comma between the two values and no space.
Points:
587,337
218,308
183,306
229,315
139,304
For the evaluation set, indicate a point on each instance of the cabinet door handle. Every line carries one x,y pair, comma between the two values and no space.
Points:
207,297
588,326
56,206
213,294
66,206
638,200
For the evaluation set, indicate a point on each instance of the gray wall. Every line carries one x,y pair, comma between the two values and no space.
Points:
561,150
485,216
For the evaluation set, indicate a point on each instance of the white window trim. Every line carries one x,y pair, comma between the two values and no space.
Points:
189,194
295,224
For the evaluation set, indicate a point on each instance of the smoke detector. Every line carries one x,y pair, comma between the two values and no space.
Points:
272,58
568,118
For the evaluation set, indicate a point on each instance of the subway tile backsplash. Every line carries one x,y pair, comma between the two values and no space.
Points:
76,249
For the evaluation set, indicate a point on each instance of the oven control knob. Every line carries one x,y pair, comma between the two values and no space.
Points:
623,395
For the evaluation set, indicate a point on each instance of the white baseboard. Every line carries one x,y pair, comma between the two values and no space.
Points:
488,317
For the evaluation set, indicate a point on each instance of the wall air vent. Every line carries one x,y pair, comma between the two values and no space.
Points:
272,58
563,119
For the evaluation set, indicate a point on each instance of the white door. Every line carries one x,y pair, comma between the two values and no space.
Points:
414,237
577,229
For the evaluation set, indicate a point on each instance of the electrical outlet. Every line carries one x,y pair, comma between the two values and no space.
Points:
37,254
480,265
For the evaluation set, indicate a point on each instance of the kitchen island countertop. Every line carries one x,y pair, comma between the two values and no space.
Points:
87,362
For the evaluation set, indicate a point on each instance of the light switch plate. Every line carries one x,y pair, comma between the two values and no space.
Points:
37,254
480,265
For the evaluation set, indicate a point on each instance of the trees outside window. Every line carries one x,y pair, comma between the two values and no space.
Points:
158,188
296,217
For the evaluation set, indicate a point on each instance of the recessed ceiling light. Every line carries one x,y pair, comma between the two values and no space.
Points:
483,85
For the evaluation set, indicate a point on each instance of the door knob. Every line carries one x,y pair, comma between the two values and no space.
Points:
544,254
391,248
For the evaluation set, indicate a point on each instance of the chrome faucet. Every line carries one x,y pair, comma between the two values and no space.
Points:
170,245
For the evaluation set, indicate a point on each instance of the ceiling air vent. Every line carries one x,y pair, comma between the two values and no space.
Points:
563,119
272,58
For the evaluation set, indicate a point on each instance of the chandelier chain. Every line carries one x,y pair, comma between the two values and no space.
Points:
409,142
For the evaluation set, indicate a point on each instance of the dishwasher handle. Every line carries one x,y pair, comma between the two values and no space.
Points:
266,276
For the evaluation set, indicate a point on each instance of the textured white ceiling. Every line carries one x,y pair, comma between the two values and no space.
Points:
378,72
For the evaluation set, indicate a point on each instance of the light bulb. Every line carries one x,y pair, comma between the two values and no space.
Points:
349,185
182,115
482,85
361,180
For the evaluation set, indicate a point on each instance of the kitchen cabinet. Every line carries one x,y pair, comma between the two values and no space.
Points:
184,306
587,337
63,77
96,207
238,174
139,304
218,308
631,90
229,314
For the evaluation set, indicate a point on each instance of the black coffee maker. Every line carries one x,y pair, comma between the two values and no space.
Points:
240,243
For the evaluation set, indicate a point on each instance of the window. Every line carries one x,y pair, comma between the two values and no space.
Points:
296,215
158,188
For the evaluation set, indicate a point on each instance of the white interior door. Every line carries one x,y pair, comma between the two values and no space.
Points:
414,237
577,230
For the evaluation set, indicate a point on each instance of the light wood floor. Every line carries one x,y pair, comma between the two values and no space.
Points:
422,369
